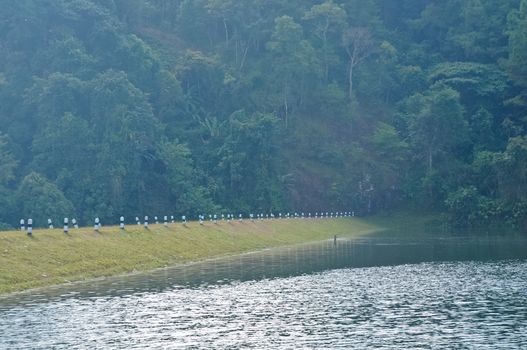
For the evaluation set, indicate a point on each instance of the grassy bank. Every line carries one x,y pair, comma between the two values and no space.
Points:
51,257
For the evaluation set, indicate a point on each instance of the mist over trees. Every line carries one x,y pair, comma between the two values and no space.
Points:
137,107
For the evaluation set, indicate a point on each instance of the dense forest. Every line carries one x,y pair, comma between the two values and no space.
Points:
136,107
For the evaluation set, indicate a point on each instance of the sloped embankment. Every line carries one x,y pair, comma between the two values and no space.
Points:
51,257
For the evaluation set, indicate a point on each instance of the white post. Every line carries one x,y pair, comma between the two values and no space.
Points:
22,225
121,222
29,227
201,219
184,219
215,218
97,224
155,220
137,220
165,219
50,224
74,222
172,218
66,225
146,221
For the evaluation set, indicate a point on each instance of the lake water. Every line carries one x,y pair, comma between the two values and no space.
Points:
388,290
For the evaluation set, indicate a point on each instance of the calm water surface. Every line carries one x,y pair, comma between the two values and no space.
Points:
389,290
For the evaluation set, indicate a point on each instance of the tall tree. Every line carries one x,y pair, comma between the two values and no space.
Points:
436,129
329,18
359,45
294,59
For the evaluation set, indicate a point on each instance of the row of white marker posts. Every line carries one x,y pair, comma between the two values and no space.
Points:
97,224
29,226
50,225
66,224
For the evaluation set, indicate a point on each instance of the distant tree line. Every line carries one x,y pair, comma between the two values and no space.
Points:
127,107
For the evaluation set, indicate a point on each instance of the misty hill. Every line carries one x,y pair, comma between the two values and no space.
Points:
134,107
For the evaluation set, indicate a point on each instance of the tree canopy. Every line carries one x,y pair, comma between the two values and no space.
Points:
113,107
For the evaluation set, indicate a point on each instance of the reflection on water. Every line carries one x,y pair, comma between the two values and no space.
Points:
387,290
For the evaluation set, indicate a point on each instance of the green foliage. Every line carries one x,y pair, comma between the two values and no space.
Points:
517,60
437,132
501,177
512,170
7,174
470,78
469,208
295,62
39,199
329,21
436,123
7,162
186,193
157,106
247,162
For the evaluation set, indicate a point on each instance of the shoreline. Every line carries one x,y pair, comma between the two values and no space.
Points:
67,285
51,259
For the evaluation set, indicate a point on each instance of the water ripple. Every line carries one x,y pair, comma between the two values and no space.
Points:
479,305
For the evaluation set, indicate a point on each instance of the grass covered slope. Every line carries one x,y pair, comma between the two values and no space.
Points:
51,257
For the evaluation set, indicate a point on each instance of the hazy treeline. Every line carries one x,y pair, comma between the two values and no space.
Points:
133,107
